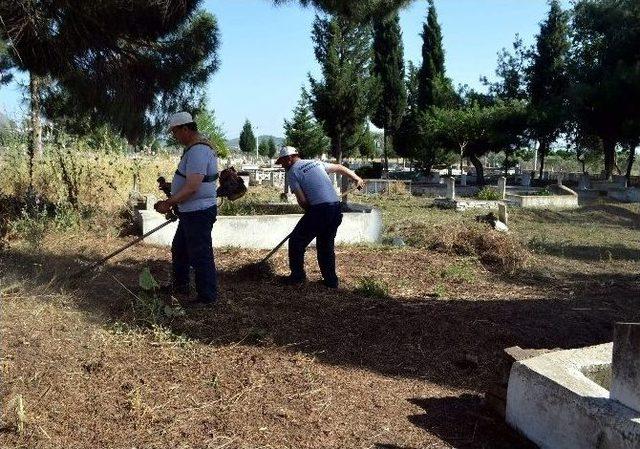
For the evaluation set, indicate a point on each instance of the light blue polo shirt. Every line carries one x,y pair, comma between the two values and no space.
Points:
312,178
199,159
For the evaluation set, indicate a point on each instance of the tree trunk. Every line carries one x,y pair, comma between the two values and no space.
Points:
384,152
632,157
542,152
609,147
35,139
477,163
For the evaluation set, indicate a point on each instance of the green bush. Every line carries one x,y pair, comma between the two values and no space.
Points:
372,288
488,194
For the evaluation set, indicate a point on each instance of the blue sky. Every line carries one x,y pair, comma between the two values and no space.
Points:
267,52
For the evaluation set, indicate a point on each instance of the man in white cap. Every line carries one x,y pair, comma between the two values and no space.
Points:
309,181
193,191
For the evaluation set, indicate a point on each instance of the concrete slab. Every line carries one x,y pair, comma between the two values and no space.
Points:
363,224
552,400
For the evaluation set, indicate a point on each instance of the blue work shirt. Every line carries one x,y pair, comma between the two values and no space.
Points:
202,160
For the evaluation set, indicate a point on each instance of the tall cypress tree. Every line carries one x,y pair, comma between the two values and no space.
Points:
388,71
304,132
431,77
247,138
340,100
548,81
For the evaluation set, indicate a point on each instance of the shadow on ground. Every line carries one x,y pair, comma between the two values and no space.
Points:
419,338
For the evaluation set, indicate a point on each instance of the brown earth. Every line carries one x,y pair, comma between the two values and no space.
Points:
278,367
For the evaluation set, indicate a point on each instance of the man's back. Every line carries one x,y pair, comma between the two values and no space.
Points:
311,177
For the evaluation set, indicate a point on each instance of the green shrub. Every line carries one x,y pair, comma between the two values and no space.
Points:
488,194
373,288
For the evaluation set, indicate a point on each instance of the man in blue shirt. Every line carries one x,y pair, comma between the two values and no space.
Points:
309,181
193,191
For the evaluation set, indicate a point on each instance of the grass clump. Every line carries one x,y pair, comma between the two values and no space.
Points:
373,288
488,194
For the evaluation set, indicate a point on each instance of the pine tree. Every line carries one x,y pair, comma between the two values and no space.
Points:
126,64
340,99
5,63
359,11
548,81
247,139
209,128
303,131
388,71
263,148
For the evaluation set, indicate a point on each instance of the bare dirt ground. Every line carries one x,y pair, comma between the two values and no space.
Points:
276,367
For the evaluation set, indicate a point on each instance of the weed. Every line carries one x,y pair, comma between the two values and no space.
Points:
440,290
372,288
488,194
461,272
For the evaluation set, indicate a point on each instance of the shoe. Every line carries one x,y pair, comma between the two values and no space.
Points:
170,289
291,280
202,302
328,284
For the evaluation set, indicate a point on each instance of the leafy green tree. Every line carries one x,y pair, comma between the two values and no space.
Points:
548,80
340,101
388,73
5,63
511,73
125,64
304,132
247,138
605,80
212,130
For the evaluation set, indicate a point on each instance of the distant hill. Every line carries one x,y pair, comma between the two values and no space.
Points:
233,143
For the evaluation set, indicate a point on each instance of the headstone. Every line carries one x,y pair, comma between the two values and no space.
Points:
451,188
585,182
559,179
435,178
525,179
150,201
503,215
625,367
621,180
502,187
545,175
463,179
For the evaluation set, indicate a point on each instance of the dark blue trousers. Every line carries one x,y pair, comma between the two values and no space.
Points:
192,246
320,222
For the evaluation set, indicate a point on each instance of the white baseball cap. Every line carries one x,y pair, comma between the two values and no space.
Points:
179,118
286,151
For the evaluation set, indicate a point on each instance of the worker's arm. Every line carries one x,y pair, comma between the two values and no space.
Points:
190,187
342,170
301,198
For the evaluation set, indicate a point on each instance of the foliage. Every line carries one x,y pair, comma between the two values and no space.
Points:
372,288
605,78
271,147
247,138
548,80
488,194
212,131
263,147
340,101
304,132
359,11
133,64
5,63
390,96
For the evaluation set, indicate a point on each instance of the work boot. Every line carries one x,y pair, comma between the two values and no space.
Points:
329,284
293,280
170,289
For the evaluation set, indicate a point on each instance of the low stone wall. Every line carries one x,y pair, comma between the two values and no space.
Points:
556,401
461,204
362,224
630,195
384,186
435,190
543,201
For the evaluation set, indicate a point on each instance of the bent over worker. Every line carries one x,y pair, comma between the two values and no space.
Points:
193,190
309,181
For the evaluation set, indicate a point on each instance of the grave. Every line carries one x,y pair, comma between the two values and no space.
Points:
587,398
360,224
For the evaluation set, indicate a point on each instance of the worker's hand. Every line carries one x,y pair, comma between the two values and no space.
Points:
360,183
162,206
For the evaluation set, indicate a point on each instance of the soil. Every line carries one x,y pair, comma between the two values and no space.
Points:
279,367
